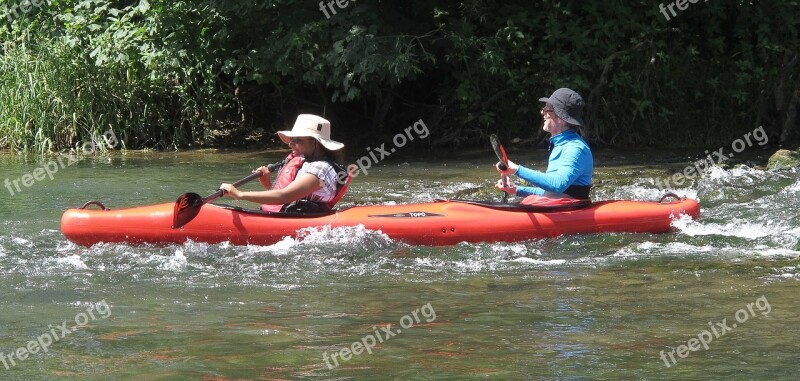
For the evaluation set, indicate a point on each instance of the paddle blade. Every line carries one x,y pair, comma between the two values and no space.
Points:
499,151
186,209
501,154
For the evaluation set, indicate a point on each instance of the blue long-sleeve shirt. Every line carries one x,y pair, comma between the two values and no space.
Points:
570,163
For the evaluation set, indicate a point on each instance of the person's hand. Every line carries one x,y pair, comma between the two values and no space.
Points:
230,191
508,186
512,168
264,170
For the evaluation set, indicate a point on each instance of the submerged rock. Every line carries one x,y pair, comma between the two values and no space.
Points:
784,159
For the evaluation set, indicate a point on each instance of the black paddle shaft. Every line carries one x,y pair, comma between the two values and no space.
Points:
271,167
241,182
188,204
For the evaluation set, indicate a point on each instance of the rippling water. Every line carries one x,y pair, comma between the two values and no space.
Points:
606,306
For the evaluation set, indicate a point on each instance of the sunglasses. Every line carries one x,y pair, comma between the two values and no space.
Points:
545,110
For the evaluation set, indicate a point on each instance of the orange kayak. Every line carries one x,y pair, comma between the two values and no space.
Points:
436,223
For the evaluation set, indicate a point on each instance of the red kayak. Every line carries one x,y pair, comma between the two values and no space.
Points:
446,222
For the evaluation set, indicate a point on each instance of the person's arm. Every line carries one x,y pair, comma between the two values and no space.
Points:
511,169
265,179
561,173
302,186
527,191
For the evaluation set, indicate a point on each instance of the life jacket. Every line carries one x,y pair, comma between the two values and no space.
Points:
285,176
580,192
341,188
288,173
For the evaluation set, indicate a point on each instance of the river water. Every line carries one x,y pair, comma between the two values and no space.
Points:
716,299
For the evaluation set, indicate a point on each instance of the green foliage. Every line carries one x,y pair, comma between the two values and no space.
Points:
107,65
170,74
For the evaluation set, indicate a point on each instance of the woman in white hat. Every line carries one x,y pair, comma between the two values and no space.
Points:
312,177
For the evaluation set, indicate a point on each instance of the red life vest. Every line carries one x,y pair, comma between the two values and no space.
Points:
288,173
285,177
342,190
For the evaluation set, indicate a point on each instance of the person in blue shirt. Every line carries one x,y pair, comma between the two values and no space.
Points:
570,167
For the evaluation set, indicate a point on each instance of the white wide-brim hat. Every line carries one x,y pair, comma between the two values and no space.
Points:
312,126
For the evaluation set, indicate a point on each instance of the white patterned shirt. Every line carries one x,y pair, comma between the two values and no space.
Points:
327,178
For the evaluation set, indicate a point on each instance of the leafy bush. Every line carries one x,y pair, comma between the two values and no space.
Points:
169,74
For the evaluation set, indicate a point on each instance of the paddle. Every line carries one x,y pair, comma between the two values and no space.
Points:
188,204
501,154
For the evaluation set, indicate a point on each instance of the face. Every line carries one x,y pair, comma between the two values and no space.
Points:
552,123
302,145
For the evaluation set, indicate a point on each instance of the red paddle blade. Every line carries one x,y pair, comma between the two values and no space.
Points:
186,209
503,152
499,150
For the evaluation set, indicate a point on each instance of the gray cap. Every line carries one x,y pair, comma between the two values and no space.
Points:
567,104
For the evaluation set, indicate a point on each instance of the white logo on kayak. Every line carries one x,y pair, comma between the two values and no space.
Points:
408,215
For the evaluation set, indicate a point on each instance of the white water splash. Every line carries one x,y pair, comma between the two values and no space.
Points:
742,174
643,193
792,189
354,237
764,251
736,228
74,261
652,248
515,249
475,265
282,247
176,263
343,235
718,173
539,261
787,272
21,242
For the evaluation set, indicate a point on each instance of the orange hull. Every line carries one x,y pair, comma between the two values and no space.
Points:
436,223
